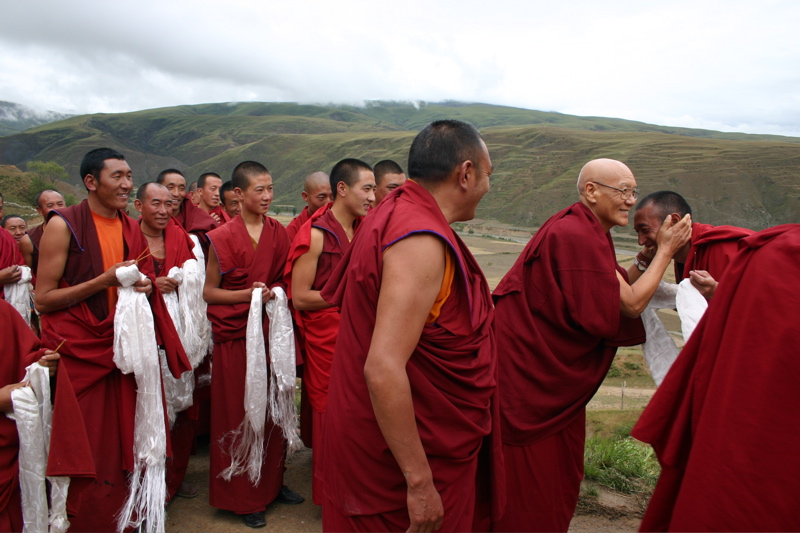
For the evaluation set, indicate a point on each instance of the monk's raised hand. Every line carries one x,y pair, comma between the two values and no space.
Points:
10,275
425,509
50,361
110,276
674,235
703,282
216,217
166,285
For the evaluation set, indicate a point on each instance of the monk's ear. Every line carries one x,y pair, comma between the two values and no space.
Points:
90,182
304,194
341,188
138,205
675,218
465,169
590,192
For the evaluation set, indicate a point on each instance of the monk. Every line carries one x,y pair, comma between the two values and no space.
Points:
76,293
248,254
316,194
315,253
10,260
704,258
45,201
728,450
208,190
194,220
561,312
20,348
413,375
228,199
171,247
388,176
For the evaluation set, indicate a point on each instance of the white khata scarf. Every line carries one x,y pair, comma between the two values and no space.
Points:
19,294
33,413
135,350
262,392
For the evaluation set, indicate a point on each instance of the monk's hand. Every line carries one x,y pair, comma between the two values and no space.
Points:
6,406
703,282
109,277
50,361
673,236
425,507
144,285
216,217
166,285
10,275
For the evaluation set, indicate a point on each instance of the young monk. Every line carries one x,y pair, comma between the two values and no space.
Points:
315,253
247,254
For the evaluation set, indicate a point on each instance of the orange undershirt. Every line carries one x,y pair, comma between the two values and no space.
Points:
444,290
109,233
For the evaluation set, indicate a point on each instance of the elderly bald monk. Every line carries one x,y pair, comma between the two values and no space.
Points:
561,312
45,201
316,193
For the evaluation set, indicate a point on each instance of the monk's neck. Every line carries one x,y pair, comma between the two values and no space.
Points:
155,239
100,209
205,207
344,217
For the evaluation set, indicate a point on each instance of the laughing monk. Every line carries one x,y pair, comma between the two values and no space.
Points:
562,311
316,194
76,292
247,254
315,253
413,377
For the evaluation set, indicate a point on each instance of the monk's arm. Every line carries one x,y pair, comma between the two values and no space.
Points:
53,252
26,249
413,270
633,298
213,294
304,272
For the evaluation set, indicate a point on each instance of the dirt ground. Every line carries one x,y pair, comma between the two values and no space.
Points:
495,256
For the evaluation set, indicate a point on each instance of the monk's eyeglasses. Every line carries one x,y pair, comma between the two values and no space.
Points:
626,192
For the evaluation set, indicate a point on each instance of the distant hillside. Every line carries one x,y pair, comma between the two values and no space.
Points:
16,118
748,180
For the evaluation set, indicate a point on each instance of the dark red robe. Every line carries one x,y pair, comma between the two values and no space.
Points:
451,372
107,397
223,215
295,224
712,248
241,266
9,254
723,422
318,328
35,234
558,327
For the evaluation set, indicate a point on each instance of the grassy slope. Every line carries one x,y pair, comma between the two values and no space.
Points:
537,155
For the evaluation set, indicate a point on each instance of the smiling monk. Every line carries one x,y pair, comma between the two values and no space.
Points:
562,311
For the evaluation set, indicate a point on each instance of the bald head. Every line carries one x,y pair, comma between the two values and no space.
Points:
147,190
603,171
317,191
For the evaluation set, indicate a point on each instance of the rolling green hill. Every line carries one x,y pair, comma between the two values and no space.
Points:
747,180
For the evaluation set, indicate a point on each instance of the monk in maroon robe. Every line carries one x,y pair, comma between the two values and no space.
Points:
316,193
409,410
10,260
45,202
315,253
247,254
76,294
718,422
561,312
704,258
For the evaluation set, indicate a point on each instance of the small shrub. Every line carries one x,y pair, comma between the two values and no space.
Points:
622,464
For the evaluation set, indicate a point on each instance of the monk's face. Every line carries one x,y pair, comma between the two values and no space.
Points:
389,182
17,227
319,196
359,197
232,204
48,201
646,222
113,185
258,195
613,206
176,185
155,207
479,182
209,194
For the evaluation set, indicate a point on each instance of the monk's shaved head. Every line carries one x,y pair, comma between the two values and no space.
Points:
314,180
604,171
148,189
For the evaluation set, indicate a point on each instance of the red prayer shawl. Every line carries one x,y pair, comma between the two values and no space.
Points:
558,325
711,250
452,369
241,266
296,222
194,220
178,246
724,421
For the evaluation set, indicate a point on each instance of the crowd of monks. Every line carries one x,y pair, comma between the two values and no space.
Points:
430,402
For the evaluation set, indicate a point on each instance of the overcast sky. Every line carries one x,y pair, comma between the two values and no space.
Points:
727,65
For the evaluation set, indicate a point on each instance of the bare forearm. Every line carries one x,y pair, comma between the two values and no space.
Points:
52,300
217,296
308,301
634,298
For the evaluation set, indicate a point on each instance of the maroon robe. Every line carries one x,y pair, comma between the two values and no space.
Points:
711,249
295,224
451,372
35,234
723,422
241,266
223,215
9,254
107,398
558,327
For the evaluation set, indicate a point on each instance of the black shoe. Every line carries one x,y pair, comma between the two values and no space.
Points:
254,520
289,497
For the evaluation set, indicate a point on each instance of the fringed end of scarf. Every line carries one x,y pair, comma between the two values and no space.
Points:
145,505
246,451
